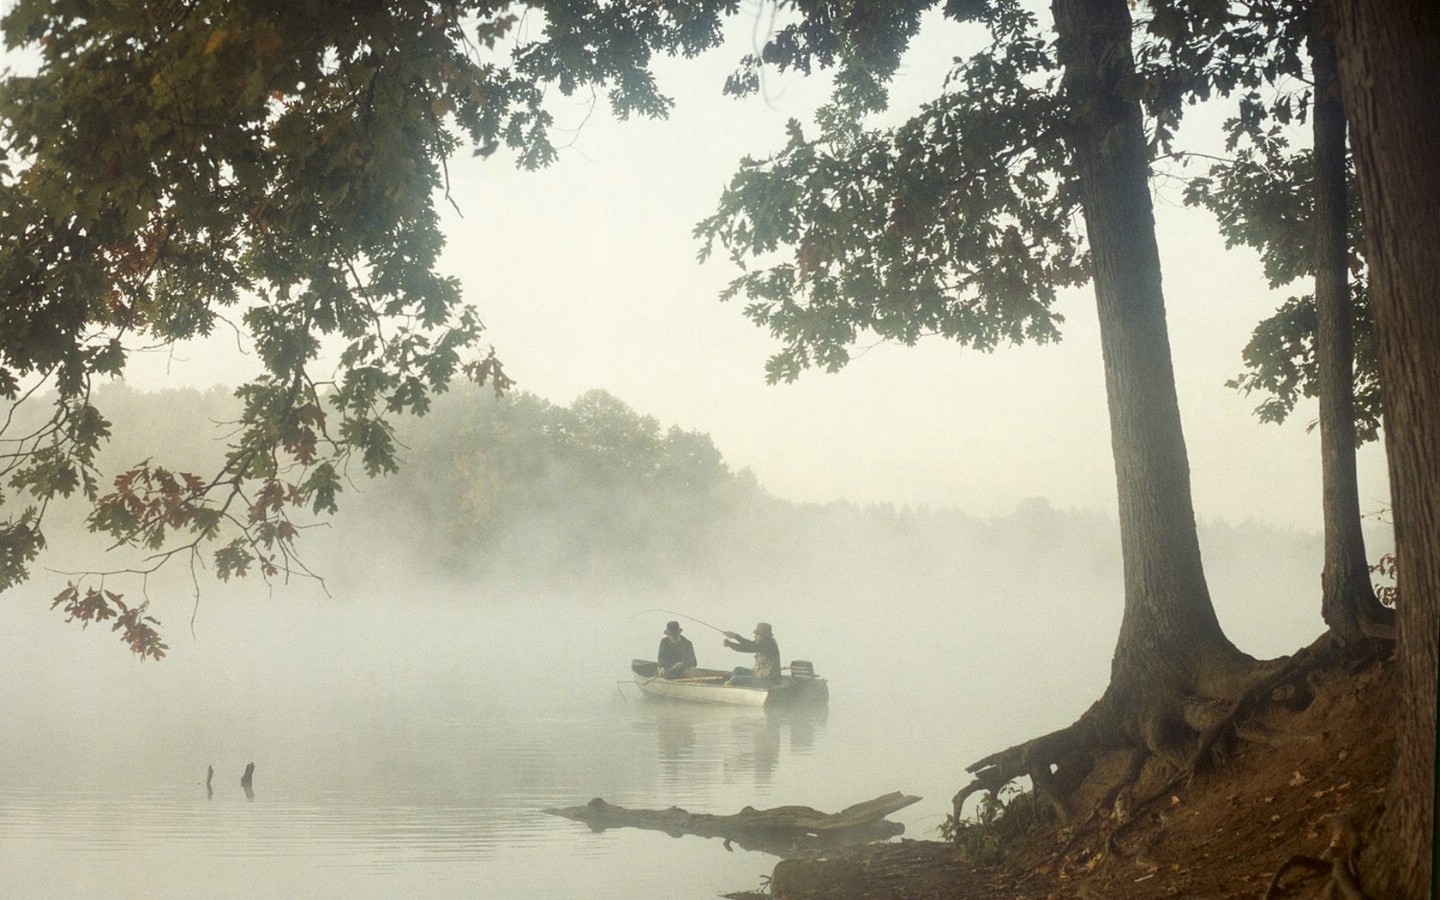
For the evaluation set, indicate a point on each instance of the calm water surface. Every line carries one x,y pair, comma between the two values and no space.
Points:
402,752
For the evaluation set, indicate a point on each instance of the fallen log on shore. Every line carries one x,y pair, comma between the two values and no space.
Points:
784,830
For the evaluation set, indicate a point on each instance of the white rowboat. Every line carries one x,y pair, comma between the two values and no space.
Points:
800,687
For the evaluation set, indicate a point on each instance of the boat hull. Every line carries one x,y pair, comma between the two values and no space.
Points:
709,686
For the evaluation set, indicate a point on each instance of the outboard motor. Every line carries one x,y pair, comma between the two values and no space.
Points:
802,668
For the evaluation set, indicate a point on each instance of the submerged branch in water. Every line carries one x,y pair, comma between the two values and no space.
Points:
783,831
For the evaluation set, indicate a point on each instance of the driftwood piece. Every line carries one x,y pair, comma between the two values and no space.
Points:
783,830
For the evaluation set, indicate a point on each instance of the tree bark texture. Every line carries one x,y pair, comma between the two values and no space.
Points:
1346,596
1390,68
1170,640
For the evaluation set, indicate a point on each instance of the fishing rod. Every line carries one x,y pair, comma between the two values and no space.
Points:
671,612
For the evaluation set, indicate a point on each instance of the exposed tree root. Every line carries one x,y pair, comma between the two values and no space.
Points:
1287,685
1317,866
1337,864
1379,631
1055,763
1270,737
1081,773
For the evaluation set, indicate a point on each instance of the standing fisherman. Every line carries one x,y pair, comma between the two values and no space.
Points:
767,656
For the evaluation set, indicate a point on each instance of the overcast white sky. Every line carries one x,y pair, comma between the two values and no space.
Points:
586,276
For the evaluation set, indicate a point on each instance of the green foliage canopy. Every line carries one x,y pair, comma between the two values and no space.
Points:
273,167
960,222
963,221
1262,191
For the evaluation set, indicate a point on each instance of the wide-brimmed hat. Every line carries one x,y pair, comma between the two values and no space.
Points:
673,628
763,628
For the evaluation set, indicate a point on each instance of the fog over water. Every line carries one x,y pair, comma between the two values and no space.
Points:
408,739
408,727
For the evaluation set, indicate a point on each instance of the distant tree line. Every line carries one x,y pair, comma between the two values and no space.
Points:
572,491
595,496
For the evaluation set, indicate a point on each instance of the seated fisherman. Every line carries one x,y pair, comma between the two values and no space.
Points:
677,654
767,656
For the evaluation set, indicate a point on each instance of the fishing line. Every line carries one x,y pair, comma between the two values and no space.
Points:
671,612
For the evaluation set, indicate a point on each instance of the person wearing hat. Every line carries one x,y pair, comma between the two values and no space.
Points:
767,655
677,654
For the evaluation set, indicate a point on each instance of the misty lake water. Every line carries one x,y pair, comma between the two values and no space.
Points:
408,748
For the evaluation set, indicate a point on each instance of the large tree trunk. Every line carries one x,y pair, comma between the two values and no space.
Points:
1390,66
1171,650
1347,599
1170,640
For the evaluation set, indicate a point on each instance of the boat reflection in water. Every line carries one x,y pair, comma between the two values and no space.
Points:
707,733
699,745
